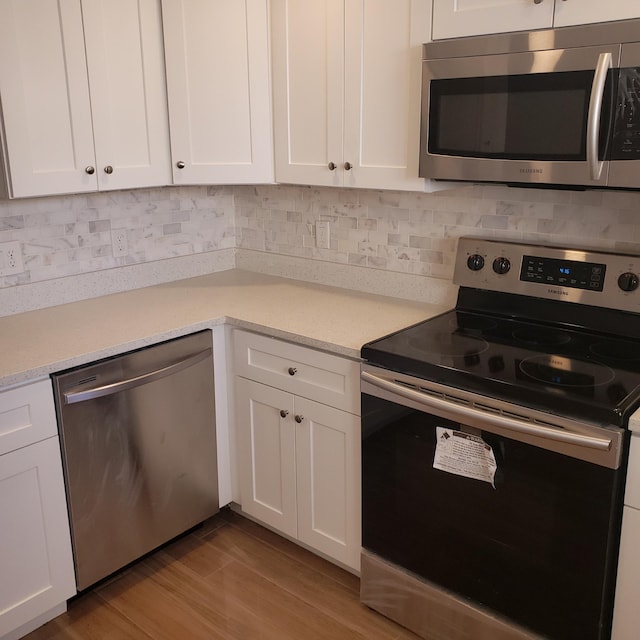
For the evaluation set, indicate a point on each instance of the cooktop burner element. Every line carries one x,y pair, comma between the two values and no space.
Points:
566,372
540,336
532,335
456,345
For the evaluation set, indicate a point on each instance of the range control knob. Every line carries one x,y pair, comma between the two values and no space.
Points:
628,281
475,262
501,265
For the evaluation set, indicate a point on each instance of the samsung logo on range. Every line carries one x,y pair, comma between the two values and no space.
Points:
538,171
558,292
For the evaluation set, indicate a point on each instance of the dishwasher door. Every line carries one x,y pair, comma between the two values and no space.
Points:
139,451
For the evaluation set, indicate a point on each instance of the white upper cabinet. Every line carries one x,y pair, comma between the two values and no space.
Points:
128,96
217,59
79,119
346,91
453,18
570,12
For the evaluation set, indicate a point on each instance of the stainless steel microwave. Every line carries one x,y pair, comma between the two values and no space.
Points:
551,107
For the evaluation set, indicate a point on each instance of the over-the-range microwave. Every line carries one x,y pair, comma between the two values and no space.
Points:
551,107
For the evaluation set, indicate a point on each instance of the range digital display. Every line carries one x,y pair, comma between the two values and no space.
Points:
563,273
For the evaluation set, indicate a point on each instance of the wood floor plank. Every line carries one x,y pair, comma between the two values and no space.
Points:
228,580
328,595
89,618
317,563
155,610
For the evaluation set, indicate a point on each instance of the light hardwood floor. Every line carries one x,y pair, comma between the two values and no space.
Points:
231,580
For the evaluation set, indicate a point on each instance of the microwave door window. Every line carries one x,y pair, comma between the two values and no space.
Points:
524,117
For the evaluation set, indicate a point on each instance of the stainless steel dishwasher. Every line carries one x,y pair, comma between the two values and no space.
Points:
139,450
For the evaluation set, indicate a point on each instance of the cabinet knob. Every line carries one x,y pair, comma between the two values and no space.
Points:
90,170
347,166
332,166
283,413
299,418
180,164
108,169
292,371
537,1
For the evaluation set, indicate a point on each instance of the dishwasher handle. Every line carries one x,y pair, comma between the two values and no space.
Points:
73,397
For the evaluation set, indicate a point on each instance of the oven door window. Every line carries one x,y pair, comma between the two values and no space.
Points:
537,116
536,548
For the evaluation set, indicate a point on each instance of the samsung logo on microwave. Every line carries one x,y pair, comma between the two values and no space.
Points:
539,171
558,292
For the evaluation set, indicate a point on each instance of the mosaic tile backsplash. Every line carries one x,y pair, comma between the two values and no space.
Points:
394,231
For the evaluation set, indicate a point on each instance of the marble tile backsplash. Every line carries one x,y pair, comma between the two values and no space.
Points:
412,233
71,235
416,232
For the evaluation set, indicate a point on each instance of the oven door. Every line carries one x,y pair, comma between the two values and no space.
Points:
535,117
536,543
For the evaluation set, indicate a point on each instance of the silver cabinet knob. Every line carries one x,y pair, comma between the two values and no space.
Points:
332,166
180,164
90,170
292,371
283,413
347,166
108,169
299,418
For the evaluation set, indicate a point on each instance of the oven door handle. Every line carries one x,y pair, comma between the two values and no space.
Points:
459,413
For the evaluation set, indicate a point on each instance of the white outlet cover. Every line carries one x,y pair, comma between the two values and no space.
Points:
11,258
119,243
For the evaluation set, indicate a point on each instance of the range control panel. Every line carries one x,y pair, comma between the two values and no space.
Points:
565,273
568,274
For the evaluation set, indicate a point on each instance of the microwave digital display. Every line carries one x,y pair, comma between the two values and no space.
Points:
563,273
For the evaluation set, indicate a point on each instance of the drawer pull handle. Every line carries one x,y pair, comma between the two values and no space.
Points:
292,371
283,413
299,418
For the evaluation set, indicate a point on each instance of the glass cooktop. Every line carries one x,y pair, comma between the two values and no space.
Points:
571,372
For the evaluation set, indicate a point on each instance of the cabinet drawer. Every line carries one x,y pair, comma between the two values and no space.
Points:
316,375
27,415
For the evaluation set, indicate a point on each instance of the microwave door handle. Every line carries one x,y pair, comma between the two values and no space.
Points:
595,110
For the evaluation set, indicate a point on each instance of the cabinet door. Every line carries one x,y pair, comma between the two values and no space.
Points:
383,63
217,60
128,99
626,617
328,480
35,547
266,454
585,11
47,132
308,90
453,18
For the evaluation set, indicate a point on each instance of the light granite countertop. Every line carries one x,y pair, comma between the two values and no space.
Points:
37,343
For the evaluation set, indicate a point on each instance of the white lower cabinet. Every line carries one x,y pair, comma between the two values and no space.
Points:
35,548
298,458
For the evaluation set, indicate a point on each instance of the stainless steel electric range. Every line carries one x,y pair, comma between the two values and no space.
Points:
494,448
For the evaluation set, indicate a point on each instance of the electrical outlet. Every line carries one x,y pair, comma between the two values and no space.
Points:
322,234
119,242
10,258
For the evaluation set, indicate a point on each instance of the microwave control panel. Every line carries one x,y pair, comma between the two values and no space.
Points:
626,136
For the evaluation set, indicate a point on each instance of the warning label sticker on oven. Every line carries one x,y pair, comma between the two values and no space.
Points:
464,455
